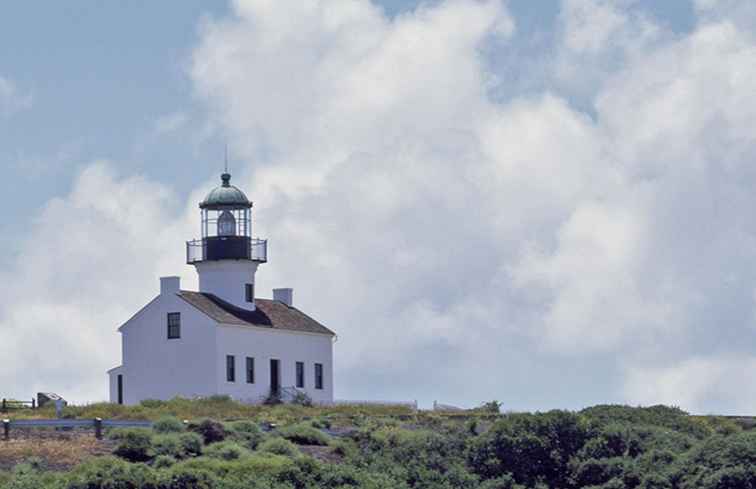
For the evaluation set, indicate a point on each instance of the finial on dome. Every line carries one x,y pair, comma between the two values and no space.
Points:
226,179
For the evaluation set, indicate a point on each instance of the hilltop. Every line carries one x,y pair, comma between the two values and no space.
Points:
218,443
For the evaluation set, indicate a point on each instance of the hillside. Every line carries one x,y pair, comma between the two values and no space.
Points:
230,445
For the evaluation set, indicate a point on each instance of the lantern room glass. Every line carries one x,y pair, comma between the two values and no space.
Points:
226,222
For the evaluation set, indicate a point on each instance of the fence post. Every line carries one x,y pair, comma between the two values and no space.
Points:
34,403
98,428
6,429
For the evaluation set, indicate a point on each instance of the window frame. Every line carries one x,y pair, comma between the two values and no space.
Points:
250,369
249,292
319,376
300,375
230,368
173,328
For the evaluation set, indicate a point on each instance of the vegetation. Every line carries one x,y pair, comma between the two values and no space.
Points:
603,447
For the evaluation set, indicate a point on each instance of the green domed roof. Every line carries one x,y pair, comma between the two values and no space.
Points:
225,196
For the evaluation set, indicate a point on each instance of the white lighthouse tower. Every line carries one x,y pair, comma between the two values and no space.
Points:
226,257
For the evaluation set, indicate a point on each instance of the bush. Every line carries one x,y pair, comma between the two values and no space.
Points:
303,434
186,477
169,444
152,403
191,444
504,482
212,431
111,473
163,461
321,423
134,444
29,476
226,450
531,447
168,424
245,432
302,399
279,446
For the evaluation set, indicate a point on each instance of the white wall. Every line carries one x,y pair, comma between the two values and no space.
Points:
155,367
226,279
262,345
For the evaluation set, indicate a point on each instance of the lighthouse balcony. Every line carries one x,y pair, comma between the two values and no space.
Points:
227,248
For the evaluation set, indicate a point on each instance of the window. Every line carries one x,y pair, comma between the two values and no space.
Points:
226,224
300,374
174,325
318,375
230,368
249,292
250,370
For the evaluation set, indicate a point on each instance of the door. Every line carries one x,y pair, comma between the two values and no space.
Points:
120,389
275,382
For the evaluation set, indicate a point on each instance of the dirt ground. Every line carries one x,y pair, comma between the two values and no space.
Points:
58,449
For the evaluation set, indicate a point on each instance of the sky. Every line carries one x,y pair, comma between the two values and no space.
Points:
545,203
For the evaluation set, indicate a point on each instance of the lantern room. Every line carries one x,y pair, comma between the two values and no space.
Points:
226,228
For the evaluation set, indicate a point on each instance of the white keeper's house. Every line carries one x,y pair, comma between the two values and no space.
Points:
223,339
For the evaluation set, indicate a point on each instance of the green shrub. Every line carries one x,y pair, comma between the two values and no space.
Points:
212,431
247,433
504,482
29,476
168,444
226,450
133,444
344,448
168,424
152,403
303,434
530,447
191,444
110,473
182,476
279,446
163,461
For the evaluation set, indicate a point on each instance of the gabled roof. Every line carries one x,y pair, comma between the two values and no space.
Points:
267,314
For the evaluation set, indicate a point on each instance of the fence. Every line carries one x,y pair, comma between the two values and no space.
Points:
97,424
345,402
11,404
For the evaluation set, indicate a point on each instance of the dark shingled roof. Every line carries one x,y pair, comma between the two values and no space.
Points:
267,313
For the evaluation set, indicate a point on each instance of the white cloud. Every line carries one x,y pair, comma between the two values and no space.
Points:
11,99
91,260
169,123
722,384
462,229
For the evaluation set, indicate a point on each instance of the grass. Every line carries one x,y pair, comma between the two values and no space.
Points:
217,407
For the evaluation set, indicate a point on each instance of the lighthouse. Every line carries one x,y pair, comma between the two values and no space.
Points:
223,339
226,257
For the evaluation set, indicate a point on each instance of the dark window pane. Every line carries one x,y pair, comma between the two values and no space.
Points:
230,368
249,292
174,325
318,375
250,370
300,375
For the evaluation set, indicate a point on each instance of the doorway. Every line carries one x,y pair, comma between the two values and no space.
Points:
275,376
120,389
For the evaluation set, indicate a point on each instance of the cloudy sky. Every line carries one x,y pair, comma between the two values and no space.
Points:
547,203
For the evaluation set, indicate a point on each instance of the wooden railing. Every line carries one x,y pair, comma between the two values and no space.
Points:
97,424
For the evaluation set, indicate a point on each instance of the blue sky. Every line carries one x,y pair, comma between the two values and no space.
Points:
547,202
